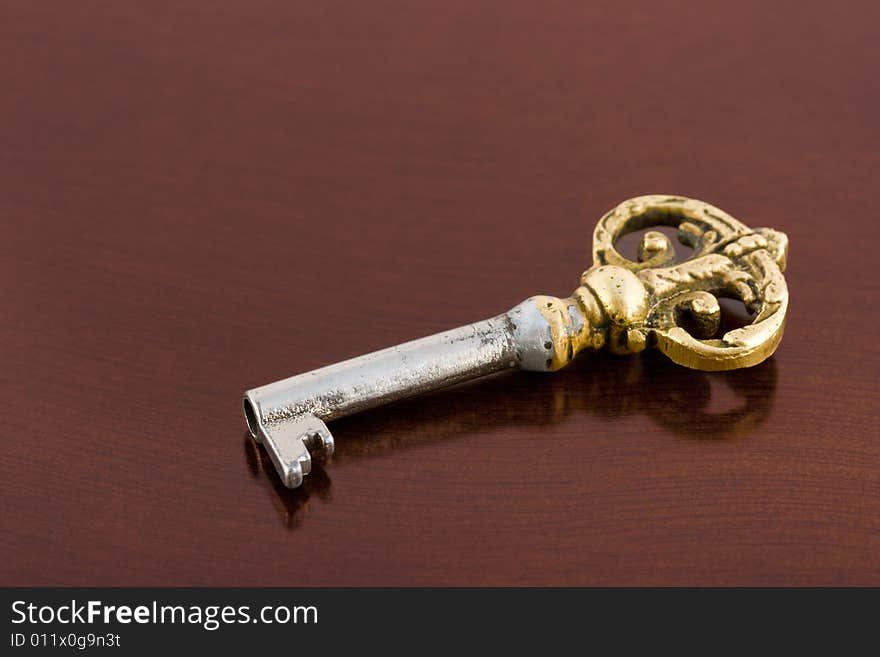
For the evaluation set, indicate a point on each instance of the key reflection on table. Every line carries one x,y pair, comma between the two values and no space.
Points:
689,403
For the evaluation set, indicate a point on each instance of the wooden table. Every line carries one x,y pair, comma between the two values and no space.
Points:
197,199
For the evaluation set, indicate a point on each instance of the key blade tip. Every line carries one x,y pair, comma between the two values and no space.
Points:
291,442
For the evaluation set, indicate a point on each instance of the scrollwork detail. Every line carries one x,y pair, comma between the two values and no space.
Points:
678,310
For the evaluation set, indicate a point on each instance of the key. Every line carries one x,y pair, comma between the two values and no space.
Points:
620,305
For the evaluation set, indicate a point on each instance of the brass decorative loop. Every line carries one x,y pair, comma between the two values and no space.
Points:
656,301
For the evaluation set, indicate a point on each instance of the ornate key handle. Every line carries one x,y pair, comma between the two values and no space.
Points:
627,306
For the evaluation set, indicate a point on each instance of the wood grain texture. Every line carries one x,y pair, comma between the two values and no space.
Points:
199,197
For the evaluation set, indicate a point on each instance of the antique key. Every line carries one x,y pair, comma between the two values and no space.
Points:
620,305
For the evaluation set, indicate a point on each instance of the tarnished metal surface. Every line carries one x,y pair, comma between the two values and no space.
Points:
282,413
383,376
620,305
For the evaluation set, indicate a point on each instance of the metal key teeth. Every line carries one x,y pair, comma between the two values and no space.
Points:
292,442
319,442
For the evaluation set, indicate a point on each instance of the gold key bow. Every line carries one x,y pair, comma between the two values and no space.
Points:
627,306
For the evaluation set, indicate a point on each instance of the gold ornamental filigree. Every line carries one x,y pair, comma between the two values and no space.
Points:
626,306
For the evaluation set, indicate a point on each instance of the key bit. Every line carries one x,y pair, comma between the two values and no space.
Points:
620,305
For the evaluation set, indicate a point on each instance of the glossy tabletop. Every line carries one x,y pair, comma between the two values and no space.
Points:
197,198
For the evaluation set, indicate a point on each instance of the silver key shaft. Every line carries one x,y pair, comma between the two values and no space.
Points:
288,416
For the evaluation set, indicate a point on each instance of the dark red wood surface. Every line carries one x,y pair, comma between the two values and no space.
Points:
197,198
